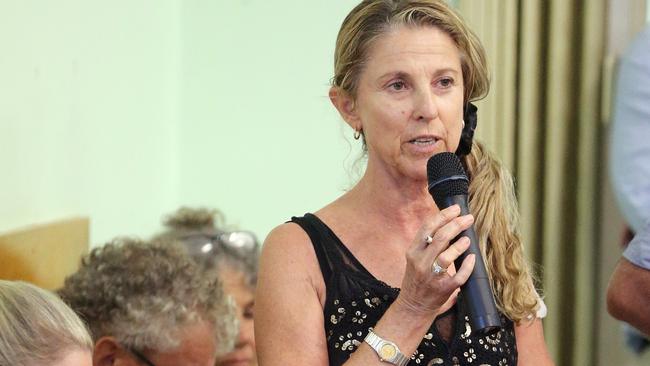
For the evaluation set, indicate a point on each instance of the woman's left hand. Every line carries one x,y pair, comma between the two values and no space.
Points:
430,281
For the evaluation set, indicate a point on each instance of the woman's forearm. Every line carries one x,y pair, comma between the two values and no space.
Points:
401,325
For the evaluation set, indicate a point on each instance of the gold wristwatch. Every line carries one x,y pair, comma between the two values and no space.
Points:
386,350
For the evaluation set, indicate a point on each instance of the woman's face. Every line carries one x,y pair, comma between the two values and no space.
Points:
235,285
409,100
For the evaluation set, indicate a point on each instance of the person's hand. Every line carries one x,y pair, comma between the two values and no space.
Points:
423,290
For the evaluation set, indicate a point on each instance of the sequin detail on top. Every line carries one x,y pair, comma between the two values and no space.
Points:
355,301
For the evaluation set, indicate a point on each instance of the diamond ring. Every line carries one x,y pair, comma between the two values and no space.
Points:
436,269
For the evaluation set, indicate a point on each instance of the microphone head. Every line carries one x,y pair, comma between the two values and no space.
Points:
446,177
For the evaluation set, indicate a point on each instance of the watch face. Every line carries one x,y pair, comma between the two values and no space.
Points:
387,351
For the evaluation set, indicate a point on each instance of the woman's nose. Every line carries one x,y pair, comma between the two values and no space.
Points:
425,106
246,334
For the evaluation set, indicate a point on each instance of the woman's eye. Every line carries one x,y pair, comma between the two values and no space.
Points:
248,312
398,85
446,82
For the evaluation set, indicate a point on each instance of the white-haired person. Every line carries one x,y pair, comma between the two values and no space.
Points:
150,304
232,255
37,328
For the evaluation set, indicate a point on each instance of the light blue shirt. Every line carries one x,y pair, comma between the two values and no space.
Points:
638,251
630,144
630,157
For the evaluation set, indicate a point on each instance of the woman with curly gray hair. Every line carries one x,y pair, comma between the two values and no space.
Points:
150,304
230,254
37,328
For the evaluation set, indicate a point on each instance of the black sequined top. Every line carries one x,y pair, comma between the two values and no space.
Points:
356,300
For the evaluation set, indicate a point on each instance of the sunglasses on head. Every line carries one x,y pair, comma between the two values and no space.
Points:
243,243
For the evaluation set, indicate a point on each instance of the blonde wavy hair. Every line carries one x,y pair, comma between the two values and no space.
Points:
493,202
36,327
492,197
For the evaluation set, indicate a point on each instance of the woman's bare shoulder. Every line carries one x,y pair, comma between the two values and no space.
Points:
287,237
288,251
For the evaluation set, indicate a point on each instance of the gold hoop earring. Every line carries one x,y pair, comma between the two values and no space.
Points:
357,134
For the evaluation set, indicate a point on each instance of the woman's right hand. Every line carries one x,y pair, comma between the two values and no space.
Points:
422,290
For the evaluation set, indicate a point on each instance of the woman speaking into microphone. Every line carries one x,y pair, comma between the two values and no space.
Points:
370,278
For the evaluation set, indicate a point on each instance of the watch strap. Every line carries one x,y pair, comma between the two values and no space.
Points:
386,350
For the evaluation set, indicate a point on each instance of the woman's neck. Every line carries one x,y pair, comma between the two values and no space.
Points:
401,201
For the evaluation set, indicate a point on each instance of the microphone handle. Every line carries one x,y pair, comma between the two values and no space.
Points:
476,293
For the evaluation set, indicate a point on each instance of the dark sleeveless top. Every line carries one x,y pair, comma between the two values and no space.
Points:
356,300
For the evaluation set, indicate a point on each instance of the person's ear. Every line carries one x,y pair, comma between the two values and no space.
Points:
345,104
108,352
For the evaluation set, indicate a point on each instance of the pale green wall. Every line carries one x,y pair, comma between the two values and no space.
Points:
123,110
88,113
260,139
